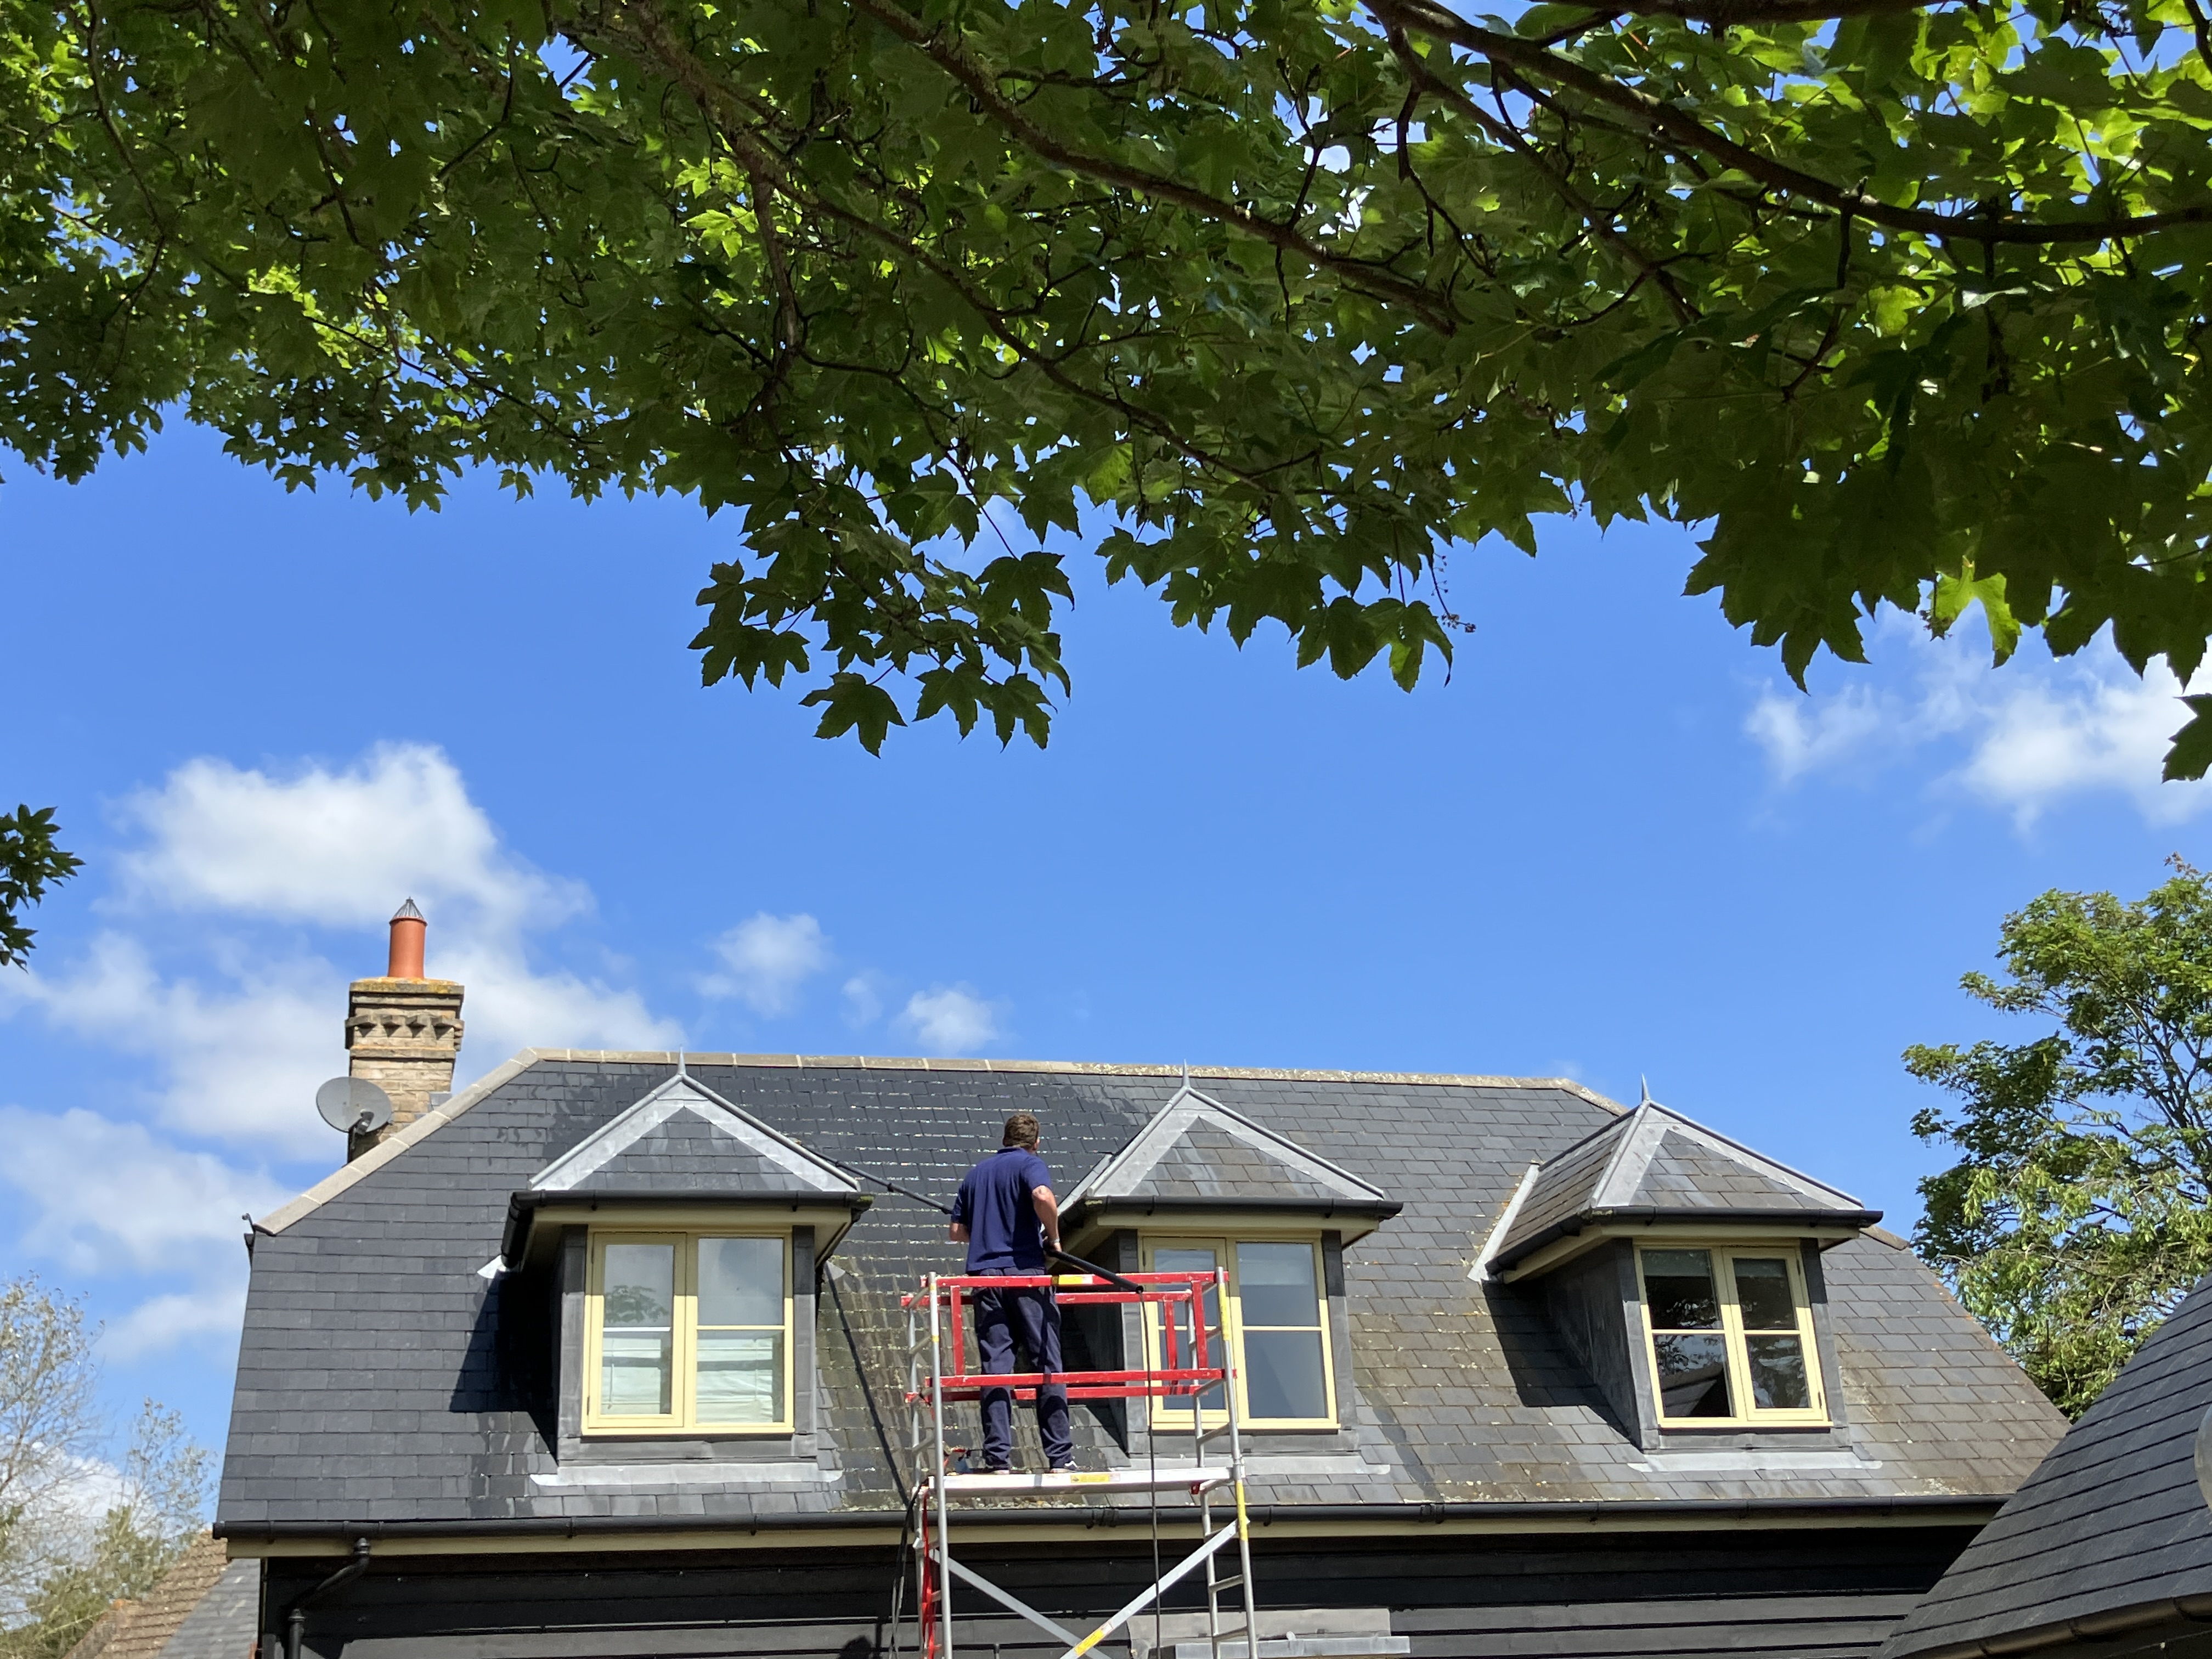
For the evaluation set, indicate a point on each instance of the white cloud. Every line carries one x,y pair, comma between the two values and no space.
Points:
767,959
952,1019
337,849
864,999
2045,741
2023,737
241,1052
240,1062
109,1198
1803,734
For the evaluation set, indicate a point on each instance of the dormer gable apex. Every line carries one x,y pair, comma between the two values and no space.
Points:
1197,1155
1654,1167
682,1138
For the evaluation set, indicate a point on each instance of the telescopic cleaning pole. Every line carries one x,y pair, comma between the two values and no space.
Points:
1075,1261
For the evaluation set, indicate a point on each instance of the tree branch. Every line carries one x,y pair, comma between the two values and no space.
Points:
984,87
1599,223
1424,17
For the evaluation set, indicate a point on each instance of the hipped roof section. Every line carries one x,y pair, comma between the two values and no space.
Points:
1195,1154
682,1143
1656,1165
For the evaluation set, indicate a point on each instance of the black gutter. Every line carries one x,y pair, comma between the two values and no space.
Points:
523,1206
1593,1511
1699,1215
1375,1209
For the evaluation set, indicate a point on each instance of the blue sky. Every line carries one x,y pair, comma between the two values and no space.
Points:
1616,843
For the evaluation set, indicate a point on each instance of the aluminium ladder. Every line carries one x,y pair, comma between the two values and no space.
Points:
1187,1370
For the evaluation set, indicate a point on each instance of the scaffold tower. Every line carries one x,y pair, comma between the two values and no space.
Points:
1187,1362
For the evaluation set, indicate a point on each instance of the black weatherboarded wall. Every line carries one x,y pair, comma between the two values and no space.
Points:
1781,1591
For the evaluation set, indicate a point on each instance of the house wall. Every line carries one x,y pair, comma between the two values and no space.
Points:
1830,1593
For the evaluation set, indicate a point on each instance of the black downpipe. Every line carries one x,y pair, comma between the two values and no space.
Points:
295,1622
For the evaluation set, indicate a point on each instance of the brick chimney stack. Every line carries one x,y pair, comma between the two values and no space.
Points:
403,1032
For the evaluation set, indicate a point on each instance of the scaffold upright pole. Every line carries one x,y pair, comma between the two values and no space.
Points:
937,1474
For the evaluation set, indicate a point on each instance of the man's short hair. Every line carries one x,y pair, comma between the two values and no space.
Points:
1021,1131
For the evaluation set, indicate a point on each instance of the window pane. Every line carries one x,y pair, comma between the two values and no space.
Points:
1778,1373
1282,1373
635,1368
741,1376
637,1330
1275,1287
1680,1284
1192,1261
640,1284
1692,1373
741,1281
1762,1292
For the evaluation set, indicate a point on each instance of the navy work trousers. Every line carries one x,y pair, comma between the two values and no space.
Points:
1029,1312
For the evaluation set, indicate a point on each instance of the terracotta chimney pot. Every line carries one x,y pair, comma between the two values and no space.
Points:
408,929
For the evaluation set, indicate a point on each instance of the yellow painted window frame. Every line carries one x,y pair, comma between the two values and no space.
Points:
683,1419
1732,1333
1170,1416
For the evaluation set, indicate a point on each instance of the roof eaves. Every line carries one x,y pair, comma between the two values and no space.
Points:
2099,1627
1672,1215
1932,1508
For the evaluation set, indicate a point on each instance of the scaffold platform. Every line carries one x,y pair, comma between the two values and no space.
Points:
1193,1361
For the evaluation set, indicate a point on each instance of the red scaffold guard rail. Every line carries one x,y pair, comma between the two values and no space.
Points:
1185,1348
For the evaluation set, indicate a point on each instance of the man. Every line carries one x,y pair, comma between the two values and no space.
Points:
1005,1215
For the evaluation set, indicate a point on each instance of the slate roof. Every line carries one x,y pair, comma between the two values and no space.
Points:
389,1374
2109,1533
1196,1150
683,1137
1654,1161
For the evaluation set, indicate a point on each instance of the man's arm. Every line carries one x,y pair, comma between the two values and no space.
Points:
958,1232
1047,1213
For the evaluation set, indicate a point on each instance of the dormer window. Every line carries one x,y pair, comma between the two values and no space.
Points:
688,1333
1730,1331
1683,1271
684,1237
1276,1324
1201,1188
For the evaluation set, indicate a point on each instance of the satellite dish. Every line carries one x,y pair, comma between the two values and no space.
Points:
353,1103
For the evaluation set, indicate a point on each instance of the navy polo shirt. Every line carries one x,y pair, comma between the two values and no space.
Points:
994,1205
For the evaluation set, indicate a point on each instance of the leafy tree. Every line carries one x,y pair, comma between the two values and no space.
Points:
2077,1216
30,862
76,1535
123,1554
48,1426
1273,300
